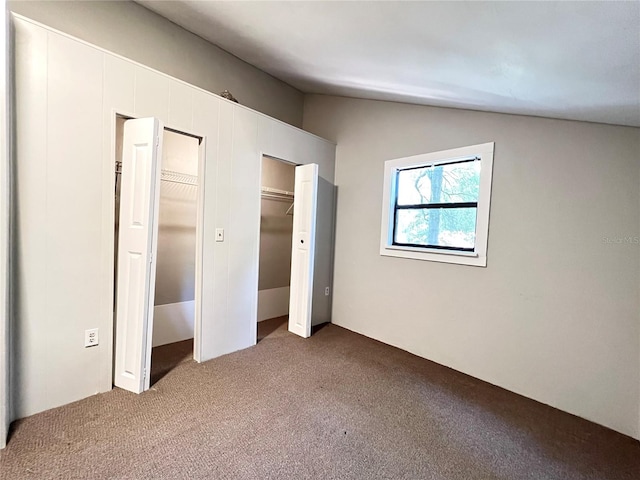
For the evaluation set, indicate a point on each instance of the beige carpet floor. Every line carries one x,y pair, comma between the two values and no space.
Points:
334,406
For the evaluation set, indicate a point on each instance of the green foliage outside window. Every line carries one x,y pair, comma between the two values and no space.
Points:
440,184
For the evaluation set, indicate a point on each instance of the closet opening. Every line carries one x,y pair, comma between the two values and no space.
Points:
177,217
276,230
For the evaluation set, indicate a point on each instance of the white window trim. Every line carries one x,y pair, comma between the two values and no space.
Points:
478,257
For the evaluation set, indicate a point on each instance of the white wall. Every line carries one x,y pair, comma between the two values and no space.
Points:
130,30
66,102
555,314
173,322
5,191
273,303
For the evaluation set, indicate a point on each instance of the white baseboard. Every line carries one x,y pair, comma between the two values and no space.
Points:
173,322
273,303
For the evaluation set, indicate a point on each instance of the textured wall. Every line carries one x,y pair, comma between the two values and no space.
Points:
554,315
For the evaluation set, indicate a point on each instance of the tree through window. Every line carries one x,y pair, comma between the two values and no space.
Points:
436,205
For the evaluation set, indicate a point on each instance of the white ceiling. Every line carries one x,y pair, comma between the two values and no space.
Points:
572,60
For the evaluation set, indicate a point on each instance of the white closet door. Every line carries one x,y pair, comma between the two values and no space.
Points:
137,242
303,249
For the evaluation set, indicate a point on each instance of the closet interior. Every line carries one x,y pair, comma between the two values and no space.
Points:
276,229
174,304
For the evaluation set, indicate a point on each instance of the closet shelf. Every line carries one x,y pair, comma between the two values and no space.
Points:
276,194
177,177
169,176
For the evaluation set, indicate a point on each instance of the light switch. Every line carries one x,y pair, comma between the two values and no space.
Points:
219,234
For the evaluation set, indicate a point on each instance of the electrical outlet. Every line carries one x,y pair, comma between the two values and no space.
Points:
326,291
219,234
91,337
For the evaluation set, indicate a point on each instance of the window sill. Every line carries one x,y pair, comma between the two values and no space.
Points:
438,251
434,255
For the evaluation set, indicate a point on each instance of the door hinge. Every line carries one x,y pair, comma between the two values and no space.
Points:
144,373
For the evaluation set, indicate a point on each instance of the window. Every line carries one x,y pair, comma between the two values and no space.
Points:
436,206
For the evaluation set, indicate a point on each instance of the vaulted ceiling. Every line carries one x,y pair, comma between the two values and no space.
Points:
571,60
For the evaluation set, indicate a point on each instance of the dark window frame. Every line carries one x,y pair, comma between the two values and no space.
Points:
429,206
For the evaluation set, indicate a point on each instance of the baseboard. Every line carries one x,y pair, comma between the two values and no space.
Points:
173,322
272,303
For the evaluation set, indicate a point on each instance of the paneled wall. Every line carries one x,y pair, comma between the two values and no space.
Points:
67,97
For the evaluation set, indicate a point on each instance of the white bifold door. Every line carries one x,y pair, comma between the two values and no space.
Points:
303,249
137,242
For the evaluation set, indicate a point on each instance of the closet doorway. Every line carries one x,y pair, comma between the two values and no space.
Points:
286,257
171,227
276,230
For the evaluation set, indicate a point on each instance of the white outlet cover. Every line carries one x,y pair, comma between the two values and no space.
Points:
219,234
91,337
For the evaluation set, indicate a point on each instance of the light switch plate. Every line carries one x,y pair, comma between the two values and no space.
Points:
219,234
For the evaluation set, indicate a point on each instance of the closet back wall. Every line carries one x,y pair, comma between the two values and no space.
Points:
175,270
276,229
174,312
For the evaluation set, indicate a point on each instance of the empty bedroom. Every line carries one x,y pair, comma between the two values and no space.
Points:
320,240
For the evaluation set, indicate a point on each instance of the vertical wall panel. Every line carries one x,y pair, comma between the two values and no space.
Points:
280,144
206,123
151,94
180,106
30,259
118,97
74,231
244,229
220,322
264,134
119,86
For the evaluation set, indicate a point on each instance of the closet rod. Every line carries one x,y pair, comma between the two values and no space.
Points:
177,177
169,176
276,193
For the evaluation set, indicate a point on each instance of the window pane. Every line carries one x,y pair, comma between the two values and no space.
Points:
448,183
443,227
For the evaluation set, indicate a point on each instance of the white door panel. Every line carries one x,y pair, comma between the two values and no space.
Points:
303,249
137,243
